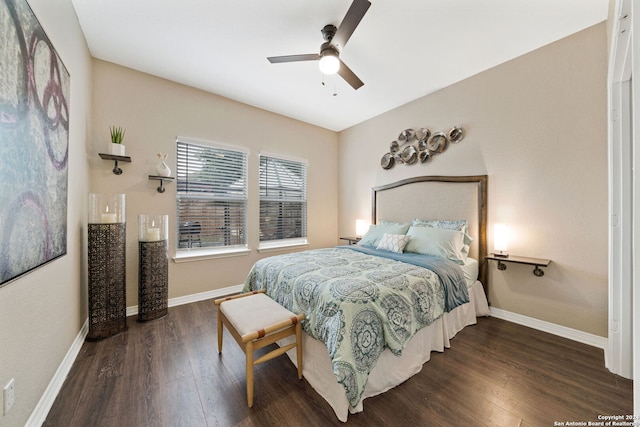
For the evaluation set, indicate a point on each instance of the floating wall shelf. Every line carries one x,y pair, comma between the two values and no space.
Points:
162,179
536,262
116,169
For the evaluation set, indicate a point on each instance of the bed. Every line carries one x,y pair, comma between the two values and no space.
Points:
375,311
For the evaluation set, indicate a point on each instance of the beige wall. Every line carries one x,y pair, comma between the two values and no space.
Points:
537,126
611,22
41,313
154,111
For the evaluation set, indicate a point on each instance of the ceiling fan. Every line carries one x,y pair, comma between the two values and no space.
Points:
335,40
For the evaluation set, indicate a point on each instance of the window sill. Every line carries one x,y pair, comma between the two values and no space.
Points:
191,255
282,245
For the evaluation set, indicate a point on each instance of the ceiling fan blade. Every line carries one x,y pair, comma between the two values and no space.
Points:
294,58
351,20
349,76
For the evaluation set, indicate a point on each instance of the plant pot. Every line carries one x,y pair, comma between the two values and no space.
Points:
163,170
117,149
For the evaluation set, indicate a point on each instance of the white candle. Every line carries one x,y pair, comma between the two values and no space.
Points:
108,218
153,234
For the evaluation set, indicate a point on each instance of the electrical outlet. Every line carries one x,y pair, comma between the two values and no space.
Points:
8,395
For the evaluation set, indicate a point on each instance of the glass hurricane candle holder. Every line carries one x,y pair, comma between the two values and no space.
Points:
106,208
153,228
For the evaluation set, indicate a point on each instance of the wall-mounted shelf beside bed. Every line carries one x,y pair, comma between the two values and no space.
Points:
536,262
352,240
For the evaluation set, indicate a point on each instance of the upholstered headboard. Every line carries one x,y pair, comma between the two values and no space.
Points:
438,197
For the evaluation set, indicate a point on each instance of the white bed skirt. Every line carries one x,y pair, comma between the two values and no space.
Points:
390,370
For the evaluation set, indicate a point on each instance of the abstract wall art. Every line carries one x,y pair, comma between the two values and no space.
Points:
34,144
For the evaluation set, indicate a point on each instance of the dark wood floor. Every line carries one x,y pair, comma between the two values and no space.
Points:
168,373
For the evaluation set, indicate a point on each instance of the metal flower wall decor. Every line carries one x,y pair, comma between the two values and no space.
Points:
419,145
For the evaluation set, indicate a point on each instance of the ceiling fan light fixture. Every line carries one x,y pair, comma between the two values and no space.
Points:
335,40
329,62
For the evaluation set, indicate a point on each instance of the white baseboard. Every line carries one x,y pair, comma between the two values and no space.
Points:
187,299
552,328
45,403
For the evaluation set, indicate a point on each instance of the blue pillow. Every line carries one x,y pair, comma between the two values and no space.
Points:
440,242
376,231
460,225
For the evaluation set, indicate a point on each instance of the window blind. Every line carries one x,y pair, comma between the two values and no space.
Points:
283,198
211,195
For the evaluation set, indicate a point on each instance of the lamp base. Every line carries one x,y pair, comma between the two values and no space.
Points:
501,254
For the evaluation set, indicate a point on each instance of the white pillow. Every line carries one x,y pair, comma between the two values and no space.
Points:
437,242
393,242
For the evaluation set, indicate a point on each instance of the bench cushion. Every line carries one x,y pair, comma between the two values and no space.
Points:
252,313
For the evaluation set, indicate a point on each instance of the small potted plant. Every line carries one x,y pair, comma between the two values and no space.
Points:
117,135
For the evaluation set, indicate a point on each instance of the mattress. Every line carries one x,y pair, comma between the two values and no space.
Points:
470,270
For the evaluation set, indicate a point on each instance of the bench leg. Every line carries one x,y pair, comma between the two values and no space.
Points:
299,348
219,330
249,373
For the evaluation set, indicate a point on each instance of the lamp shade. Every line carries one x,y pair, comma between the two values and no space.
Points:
501,239
362,226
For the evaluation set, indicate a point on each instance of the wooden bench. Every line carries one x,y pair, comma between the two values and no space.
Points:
256,321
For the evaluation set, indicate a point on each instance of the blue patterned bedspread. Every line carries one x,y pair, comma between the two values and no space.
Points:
359,301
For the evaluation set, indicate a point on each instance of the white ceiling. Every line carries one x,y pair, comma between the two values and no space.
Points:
402,49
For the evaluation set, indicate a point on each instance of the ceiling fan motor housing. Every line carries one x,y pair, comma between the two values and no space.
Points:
328,31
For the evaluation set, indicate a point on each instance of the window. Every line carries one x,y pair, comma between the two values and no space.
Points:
283,201
211,196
